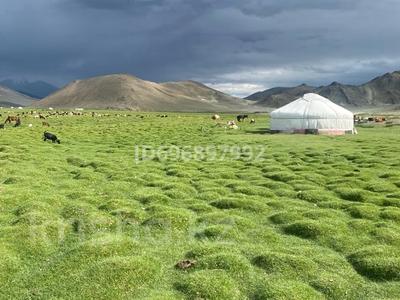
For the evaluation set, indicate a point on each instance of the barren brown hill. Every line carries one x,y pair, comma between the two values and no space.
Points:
9,97
121,91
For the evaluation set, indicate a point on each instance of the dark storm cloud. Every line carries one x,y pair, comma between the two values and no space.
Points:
238,46
121,4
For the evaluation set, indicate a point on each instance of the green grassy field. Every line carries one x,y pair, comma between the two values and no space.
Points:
264,216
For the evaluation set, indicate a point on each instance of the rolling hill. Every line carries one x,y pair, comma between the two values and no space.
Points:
122,91
382,90
9,97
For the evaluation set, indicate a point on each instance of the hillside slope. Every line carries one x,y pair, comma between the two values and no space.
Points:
280,96
121,91
9,97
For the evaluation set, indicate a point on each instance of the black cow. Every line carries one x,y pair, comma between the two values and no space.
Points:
1,126
51,137
241,118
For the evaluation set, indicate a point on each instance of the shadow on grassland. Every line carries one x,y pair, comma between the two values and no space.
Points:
261,131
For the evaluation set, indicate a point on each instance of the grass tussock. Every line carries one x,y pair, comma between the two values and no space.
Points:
209,284
293,266
377,263
281,289
309,229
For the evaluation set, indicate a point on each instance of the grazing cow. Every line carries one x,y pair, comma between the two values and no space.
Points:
1,126
216,117
252,121
11,119
51,137
46,124
42,117
241,118
379,119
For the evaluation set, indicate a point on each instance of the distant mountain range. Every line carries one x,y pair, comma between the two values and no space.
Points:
9,97
383,90
36,89
123,91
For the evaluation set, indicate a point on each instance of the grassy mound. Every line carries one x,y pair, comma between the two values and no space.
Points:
239,204
85,218
218,232
335,286
364,211
352,194
391,214
283,176
209,284
377,263
153,198
9,264
209,249
293,266
286,217
221,218
309,229
280,289
118,275
168,218
107,245
314,196
235,265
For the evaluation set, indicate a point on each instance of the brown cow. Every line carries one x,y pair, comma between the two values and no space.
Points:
379,119
11,119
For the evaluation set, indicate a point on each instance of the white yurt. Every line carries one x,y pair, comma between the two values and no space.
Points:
312,113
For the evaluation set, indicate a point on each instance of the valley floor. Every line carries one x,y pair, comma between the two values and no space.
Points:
109,212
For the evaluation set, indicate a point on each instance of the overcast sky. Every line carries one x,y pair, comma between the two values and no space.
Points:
238,46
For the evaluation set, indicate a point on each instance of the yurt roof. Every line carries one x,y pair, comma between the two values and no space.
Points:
312,106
